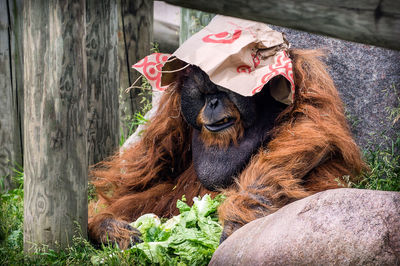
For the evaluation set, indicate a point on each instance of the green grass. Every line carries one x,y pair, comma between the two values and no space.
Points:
11,221
384,174
393,111
384,164
81,252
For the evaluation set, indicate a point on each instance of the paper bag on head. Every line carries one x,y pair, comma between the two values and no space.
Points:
237,54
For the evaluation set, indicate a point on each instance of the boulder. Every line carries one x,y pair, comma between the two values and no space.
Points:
334,227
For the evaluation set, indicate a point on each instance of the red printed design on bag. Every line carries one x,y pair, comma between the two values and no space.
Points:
223,37
150,67
282,66
257,89
243,69
256,59
247,69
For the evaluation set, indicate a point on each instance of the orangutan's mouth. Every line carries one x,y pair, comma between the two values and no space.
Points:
220,124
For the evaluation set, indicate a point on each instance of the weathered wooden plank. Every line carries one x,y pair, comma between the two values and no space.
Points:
135,34
6,136
55,154
10,90
102,78
17,53
373,22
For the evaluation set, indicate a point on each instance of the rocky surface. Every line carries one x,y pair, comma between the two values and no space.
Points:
368,79
335,227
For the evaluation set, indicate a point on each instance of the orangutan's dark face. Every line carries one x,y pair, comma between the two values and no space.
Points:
227,128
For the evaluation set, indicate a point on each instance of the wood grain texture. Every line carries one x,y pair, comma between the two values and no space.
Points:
55,154
135,34
375,22
102,78
11,88
17,53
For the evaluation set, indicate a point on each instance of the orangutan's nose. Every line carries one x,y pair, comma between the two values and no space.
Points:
213,103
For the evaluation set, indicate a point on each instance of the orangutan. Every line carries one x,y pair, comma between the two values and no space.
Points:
262,154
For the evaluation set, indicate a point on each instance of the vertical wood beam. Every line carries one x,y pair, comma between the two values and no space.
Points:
102,78
135,35
55,153
11,89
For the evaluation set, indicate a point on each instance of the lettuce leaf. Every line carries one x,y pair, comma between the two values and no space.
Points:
189,238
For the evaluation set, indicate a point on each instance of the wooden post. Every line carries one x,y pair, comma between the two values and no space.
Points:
135,34
103,79
55,154
11,88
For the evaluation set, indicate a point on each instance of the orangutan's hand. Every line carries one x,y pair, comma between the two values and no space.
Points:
119,233
229,228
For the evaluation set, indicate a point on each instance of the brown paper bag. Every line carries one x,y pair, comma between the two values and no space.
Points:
237,54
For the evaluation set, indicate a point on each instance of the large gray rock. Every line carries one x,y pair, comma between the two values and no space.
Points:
335,227
368,79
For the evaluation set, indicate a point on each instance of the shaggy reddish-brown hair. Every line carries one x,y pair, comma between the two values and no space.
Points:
311,150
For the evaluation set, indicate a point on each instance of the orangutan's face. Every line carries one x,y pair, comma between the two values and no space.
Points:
227,128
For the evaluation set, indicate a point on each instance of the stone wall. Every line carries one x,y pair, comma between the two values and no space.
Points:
368,79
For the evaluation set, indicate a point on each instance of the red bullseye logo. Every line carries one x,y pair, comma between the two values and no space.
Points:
151,72
243,69
151,68
223,37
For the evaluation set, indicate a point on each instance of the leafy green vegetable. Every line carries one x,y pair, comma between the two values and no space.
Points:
187,239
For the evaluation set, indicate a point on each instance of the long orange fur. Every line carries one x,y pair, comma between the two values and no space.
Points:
311,150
